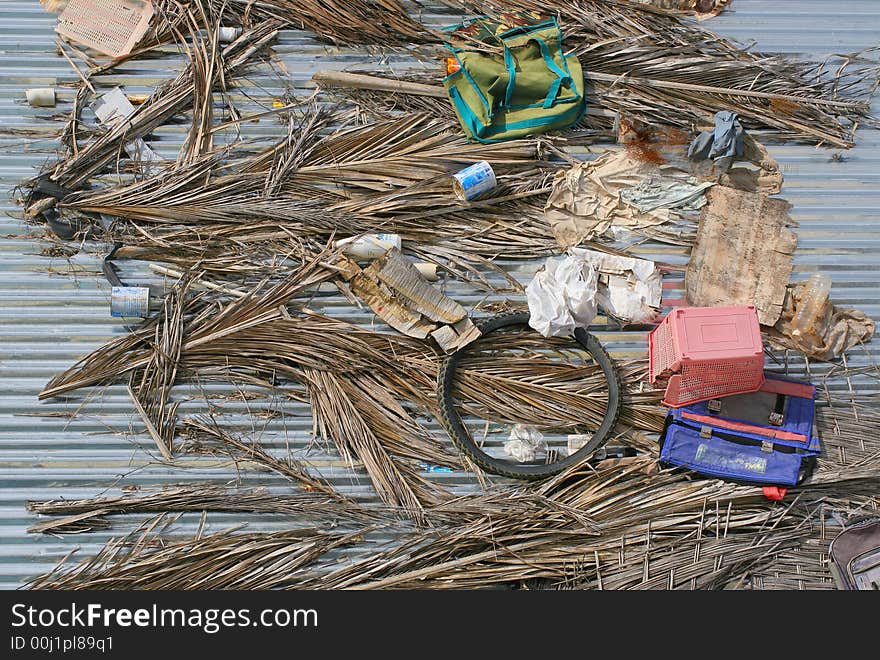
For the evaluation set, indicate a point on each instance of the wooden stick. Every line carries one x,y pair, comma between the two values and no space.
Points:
361,81
170,272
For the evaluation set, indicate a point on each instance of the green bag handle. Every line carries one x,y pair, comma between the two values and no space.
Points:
562,78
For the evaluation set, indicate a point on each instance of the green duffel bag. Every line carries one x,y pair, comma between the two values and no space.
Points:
521,84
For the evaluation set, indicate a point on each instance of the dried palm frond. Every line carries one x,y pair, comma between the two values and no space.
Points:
91,513
201,431
224,560
347,22
203,497
253,213
150,386
339,418
168,100
647,64
615,525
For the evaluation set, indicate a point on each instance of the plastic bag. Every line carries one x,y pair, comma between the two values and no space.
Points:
562,297
524,443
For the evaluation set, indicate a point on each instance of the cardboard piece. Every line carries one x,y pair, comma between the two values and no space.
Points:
742,254
395,290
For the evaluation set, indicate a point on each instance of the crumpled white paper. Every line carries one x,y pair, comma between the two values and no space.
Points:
562,296
524,443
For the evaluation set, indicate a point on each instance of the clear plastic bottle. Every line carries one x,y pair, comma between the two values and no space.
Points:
806,325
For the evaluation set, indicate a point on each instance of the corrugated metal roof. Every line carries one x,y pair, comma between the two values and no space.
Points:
53,310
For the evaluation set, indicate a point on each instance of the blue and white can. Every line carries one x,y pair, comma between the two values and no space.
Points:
474,180
130,301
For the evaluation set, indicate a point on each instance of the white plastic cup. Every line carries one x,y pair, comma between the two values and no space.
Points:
369,246
474,180
41,97
228,34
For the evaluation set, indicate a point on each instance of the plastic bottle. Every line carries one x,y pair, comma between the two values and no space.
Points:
807,321
369,246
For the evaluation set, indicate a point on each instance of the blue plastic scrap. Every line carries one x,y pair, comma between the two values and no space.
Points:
726,141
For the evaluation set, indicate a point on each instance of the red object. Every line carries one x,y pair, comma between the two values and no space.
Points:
775,493
745,427
707,352
452,65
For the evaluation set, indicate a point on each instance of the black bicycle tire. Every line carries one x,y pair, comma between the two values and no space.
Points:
451,420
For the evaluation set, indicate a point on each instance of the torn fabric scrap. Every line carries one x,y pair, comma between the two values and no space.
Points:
724,142
664,193
743,253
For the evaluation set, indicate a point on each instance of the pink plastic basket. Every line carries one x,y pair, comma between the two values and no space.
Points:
706,352
112,27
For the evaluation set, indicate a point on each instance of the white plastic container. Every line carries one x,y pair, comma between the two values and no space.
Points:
474,180
41,97
368,246
427,270
228,34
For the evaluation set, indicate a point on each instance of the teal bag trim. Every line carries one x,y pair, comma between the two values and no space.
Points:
473,83
466,114
477,127
562,77
511,76
525,29
473,122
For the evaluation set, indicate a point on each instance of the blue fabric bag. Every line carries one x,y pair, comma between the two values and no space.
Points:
764,437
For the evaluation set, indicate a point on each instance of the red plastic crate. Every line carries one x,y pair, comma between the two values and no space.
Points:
707,352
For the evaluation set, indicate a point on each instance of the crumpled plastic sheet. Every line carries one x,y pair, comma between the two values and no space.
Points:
724,142
562,296
837,331
590,198
112,108
524,443
629,289
664,193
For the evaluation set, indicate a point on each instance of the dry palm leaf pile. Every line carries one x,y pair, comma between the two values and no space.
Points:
250,228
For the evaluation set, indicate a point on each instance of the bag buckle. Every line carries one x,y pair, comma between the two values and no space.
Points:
705,432
776,419
714,406
767,446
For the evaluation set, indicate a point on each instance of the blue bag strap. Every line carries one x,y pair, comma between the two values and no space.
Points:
511,76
